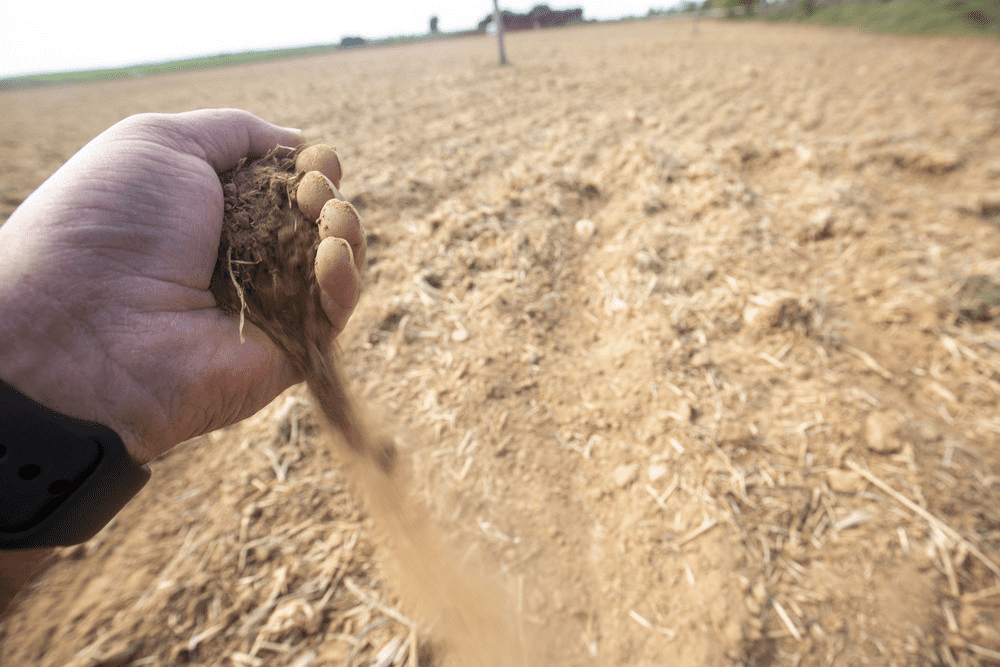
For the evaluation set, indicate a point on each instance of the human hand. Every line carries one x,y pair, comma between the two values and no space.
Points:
105,311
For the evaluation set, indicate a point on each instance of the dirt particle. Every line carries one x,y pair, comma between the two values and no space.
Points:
657,472
699,359
734,433
987,635
843,481
882,432
733,632
928,433
759,592
626,475
777,310
978,299
390,321
585,228
120,657
979,622
934,160
819,227
804,154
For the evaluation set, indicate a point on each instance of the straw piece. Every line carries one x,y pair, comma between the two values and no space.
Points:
670,634
869,361
367,599
783,615
705,526
983,651
927,516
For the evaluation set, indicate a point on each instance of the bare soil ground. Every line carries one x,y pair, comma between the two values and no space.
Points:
689,340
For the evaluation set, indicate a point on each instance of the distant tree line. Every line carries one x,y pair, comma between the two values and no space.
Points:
687,8
730,6
540,16
748,7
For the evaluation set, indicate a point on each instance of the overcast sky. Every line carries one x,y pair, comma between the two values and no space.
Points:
45,35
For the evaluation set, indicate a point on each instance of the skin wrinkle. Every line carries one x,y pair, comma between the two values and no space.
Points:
140,418
82,232
211,370
79,339
143,246
231,147
211,374
140,327
189,299
113,255
148,419
235,408
164,253
185,138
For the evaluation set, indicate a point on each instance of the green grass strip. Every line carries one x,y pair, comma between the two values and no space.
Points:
954,18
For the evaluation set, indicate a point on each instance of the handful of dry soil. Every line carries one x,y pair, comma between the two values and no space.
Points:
277,211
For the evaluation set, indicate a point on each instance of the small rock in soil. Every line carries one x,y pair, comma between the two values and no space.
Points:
843,481
625,475
882,433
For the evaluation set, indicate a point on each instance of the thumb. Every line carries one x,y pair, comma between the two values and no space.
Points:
224,136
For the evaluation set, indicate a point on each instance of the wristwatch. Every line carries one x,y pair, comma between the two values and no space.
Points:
61,479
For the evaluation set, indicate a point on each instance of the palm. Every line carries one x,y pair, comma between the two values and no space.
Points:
128,253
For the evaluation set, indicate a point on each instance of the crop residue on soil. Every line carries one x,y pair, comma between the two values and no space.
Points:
691,334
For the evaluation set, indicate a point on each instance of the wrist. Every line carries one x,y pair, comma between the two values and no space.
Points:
61,479
68,394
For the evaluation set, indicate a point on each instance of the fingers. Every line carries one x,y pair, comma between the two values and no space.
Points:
340,257
339,219
339,280
223,136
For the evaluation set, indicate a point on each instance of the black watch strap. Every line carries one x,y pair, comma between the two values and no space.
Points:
61,479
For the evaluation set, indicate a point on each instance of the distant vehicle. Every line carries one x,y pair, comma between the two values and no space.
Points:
353,41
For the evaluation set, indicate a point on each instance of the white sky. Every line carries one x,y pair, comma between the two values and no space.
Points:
51,35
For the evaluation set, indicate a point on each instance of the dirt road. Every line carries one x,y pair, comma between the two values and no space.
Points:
689,340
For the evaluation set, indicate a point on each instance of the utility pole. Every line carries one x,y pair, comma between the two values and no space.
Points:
498,21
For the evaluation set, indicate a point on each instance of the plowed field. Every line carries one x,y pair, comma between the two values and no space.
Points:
688,337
